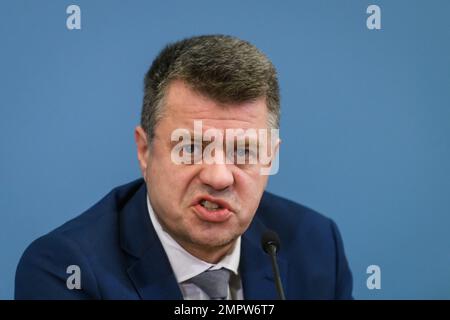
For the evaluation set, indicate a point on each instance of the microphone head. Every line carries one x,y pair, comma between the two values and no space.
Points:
268,239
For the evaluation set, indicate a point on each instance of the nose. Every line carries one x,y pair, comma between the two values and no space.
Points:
217,176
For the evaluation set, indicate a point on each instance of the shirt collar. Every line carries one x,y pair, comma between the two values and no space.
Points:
185,265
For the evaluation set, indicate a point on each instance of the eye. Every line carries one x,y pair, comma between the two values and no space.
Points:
191,149
241,152
245,156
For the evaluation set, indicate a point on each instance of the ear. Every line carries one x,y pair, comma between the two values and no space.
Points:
143,149
276,149
272,167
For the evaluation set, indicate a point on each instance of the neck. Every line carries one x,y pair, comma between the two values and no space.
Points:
209,254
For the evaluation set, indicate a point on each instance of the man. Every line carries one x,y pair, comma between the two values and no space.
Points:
191,228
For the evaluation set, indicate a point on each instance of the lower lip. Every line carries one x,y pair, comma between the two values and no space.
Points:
220,215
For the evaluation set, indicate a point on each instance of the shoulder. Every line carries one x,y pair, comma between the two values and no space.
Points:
300,228
289,215
98,221
83,241
312,244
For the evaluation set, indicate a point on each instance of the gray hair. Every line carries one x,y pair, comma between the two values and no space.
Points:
221,67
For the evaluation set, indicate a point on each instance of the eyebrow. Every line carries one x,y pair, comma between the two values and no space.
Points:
248,140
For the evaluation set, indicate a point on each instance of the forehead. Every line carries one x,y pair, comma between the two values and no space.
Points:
183,105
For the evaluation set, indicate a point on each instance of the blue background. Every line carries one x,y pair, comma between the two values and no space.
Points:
365,119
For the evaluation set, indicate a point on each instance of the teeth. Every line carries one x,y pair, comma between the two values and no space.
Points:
209,205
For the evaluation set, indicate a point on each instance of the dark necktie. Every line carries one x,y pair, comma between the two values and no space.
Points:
213,282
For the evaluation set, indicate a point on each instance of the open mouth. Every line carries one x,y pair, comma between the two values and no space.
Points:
210,205
212,210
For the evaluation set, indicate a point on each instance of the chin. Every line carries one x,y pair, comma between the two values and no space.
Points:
214,240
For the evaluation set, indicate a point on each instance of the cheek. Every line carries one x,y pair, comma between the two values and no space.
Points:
171,182
250,187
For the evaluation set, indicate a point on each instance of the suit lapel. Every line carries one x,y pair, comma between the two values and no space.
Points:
256,268
148,268
153,278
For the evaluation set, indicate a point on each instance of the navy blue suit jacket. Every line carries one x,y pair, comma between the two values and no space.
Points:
120,256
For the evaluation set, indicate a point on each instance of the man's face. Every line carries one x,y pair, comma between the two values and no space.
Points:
178,192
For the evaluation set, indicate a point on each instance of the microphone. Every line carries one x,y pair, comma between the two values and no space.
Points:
271,244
